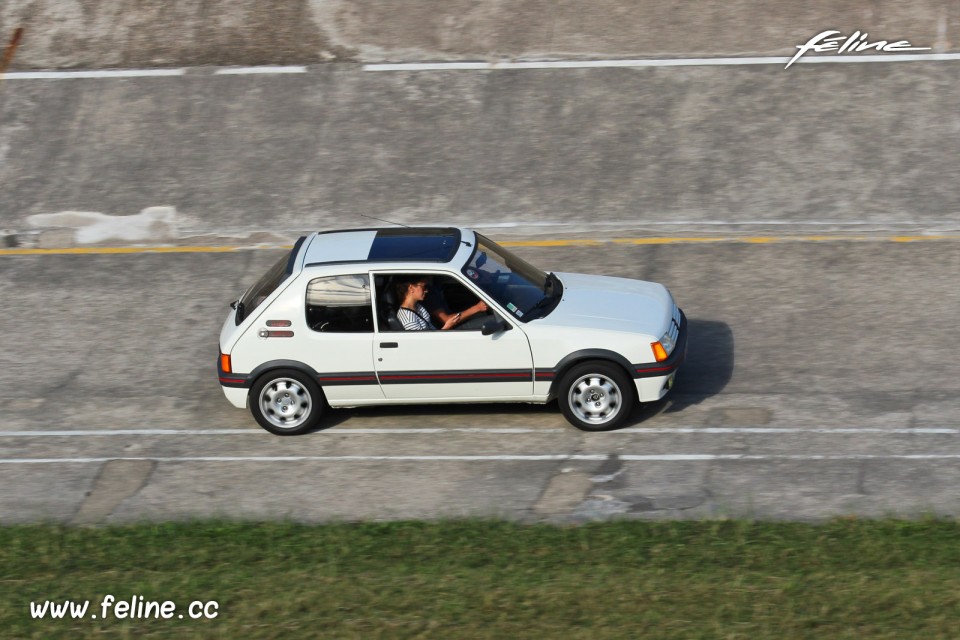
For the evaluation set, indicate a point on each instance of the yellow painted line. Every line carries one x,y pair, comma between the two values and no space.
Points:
781,239
552,243
677,240
574,242
920,238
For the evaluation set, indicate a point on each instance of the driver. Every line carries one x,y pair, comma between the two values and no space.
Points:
436,303
412,314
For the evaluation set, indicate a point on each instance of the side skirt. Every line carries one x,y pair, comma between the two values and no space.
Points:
347,404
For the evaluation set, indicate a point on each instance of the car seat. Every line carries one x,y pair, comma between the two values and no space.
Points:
387,309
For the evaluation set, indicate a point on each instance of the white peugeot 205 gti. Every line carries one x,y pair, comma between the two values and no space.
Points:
356,317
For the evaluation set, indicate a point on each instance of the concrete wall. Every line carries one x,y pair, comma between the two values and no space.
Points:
594,149
137,33
855,144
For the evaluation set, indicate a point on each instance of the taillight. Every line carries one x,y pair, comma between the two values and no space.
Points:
225,363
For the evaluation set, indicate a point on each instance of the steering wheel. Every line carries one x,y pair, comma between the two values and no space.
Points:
475,322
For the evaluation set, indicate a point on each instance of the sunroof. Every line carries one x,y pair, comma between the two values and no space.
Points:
428,245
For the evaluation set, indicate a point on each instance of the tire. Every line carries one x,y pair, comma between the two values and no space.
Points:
596,396
286,402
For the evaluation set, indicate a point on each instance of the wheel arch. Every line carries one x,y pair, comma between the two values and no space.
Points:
584,355
272,365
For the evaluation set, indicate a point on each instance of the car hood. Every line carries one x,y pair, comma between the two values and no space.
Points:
615,304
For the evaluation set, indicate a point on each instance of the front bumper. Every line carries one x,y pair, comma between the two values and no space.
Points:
655,379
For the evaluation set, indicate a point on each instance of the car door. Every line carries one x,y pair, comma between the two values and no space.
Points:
458,364
340,334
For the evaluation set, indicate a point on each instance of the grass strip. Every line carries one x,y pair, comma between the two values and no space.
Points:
490,579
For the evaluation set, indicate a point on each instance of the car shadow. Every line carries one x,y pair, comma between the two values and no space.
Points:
706,371
443,415
704,374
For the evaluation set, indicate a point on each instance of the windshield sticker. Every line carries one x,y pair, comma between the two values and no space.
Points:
512,307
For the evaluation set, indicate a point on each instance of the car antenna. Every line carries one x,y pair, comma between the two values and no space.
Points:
400,224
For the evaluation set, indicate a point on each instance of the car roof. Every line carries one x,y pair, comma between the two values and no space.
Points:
384,245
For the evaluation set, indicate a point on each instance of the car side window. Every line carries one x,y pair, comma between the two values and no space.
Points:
448,295
443,296
340,304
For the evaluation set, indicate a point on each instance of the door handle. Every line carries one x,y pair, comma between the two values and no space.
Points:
389,345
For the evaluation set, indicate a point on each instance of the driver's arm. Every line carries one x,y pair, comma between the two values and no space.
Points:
443,315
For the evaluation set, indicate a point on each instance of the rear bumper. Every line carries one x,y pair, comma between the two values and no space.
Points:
236,396
234,386
232,380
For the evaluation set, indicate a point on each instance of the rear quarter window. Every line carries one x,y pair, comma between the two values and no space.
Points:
262,288
340,304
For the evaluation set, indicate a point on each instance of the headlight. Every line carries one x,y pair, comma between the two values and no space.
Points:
667,342
663,347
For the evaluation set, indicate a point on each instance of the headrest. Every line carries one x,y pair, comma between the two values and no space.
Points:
389,295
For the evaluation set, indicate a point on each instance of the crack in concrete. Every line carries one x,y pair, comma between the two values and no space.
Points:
609,470
565,489
563,493
861,479
116,481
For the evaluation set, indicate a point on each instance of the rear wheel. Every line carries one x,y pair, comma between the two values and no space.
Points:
286,402
596,396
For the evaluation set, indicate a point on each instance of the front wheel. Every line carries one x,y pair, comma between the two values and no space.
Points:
596,396
286,402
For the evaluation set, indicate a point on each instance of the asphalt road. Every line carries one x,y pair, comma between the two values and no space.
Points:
821,381
821,378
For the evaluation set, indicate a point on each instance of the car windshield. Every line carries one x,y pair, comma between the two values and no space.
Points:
514,283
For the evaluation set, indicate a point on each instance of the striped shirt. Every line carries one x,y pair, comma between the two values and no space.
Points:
415,320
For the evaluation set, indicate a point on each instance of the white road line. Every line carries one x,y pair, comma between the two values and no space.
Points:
486,66
633,224
129,432
437,458
672,62
401,431
260,432
243,71
589,457
103,73
778,430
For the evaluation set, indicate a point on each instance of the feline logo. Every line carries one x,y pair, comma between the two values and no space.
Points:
856,42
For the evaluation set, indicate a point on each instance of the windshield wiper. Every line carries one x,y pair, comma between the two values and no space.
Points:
552,290
544,302
550,286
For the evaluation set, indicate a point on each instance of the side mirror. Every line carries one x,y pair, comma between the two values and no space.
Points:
494,325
